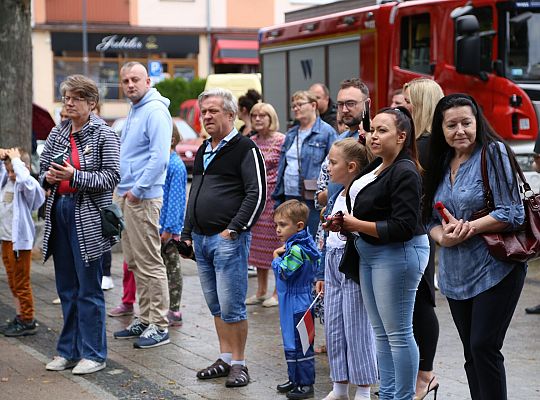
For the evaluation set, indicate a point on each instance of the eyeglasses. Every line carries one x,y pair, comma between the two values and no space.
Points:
67,99
349,103
261,116
298,105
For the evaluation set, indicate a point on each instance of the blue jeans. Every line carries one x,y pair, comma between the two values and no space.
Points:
79,287
389,277
222,265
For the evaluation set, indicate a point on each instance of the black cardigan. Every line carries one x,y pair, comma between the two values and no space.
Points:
392,201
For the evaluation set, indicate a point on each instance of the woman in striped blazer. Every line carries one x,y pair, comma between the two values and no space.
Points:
80,166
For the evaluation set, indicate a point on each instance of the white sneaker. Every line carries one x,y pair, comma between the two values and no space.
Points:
270,302
107,283
88,366
60,363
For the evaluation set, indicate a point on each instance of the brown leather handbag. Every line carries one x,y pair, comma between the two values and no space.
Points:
522,244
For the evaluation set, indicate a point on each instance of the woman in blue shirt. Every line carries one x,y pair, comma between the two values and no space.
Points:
305,148
482,291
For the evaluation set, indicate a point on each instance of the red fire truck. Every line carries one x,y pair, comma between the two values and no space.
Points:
489,49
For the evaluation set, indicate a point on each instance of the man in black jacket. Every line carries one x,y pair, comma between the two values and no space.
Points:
228,193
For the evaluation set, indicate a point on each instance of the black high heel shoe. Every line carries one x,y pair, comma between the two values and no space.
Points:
429,389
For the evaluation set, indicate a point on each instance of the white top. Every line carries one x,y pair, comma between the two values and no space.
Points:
291,179
6,211
361,183
335,239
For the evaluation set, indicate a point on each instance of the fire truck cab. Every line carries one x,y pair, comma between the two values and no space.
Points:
489,49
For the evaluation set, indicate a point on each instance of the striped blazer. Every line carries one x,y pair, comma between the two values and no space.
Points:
99,153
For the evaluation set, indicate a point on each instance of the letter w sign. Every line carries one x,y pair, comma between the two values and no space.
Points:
307,66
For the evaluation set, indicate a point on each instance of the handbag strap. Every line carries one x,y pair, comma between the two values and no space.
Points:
488,194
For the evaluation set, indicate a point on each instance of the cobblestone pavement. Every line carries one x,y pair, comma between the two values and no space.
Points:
168,372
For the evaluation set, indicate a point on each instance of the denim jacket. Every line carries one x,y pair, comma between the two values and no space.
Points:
314,149
468,269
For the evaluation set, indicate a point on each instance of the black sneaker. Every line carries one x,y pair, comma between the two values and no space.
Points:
21,328
285,387
134,330
8,325
301,392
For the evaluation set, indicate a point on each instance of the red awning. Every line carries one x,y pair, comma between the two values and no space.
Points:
236,51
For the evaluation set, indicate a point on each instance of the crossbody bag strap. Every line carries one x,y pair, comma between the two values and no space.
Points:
488,195
298,155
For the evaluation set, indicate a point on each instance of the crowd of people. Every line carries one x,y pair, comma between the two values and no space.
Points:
340,208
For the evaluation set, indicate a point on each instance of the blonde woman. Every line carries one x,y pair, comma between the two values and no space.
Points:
305,148
421,98
265,125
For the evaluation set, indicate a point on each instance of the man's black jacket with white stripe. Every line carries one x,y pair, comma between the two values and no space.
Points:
230,193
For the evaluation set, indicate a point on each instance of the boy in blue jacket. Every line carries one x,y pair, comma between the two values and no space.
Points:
20,194
295,264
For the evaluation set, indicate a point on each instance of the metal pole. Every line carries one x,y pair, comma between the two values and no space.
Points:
209,36
84,40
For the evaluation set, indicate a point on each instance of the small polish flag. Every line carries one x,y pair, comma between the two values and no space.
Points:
306,328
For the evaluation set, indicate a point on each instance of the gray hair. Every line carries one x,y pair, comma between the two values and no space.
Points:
81,85
230,103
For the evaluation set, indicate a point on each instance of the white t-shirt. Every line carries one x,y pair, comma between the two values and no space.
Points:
334,239
6,211
361,183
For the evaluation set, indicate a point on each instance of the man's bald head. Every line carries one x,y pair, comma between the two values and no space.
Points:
135,81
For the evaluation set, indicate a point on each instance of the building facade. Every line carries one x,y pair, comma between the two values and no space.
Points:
175,38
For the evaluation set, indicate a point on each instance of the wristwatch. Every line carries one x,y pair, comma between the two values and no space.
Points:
233,234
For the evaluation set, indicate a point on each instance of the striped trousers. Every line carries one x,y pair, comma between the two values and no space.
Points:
349,336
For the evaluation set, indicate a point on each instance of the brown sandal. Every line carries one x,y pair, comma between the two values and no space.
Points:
216,370
238,376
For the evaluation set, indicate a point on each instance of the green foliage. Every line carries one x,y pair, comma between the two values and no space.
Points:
178,89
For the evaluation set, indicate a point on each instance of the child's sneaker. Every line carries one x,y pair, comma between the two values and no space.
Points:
8,325
21,328
107,283
175,318
152,337
121,310
133,330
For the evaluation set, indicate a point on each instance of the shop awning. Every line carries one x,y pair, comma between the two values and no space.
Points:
235,51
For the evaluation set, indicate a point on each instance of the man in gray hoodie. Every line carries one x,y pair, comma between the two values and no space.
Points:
144,154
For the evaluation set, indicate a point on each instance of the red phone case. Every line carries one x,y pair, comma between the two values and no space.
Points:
439,206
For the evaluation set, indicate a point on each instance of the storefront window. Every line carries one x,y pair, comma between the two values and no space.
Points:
105,74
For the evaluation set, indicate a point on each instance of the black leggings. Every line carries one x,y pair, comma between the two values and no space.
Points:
425,326
482,322
106,263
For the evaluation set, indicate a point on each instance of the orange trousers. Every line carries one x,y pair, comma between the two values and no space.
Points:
18,274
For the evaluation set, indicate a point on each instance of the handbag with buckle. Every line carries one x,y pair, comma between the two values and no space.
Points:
522,244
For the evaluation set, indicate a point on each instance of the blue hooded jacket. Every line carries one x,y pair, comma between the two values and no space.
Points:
145,147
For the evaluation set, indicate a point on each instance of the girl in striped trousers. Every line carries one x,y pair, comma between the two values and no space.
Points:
349,335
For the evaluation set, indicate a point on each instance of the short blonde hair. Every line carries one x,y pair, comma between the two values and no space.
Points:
424,94
294,210
270,111
304,95
83,86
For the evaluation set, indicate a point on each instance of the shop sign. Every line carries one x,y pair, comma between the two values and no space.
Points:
116,42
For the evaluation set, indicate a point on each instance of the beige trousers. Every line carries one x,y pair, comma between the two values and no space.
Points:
141,245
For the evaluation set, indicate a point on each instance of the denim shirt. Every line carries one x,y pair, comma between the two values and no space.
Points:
314,149
468,269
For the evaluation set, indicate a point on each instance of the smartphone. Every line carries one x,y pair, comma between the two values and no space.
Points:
366,121
439,206
59,159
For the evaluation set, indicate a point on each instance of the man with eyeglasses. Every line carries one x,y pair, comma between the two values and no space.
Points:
144,155
325,105
351,101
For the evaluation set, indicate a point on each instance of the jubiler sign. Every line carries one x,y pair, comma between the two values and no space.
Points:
110,43
115,42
